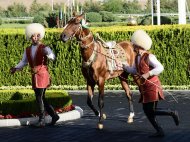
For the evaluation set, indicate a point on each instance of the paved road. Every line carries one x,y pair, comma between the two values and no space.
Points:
115,129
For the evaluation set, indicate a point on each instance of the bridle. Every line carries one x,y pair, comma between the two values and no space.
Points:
80,36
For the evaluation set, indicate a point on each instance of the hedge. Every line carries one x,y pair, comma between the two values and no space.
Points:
170,45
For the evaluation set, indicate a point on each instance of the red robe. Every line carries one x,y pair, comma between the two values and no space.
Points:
151,89
39,69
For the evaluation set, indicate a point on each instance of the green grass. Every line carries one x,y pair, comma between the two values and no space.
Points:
14,25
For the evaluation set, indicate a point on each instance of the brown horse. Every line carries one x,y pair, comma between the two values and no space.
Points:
95,68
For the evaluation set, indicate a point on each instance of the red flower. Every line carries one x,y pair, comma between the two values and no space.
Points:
2,116
8,116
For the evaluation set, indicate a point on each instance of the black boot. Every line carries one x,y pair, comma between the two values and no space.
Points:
169,112
159,133
41,122
175,117
55,118
153,121
52,113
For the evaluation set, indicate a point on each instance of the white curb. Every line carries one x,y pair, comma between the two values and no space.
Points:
71,115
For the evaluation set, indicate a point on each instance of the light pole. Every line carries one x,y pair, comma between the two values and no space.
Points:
52,4
182,11
158,11
152,11
155,7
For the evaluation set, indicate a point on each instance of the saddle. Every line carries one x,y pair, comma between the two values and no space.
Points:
113,52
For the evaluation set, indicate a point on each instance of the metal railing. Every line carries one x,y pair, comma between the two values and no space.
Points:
17,18
146,14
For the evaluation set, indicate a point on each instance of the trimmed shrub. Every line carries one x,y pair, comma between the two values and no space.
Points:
147,20
93,17
18,104
107,16
17,96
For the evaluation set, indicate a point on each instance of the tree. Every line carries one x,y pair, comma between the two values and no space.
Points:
148,6
132,7
16,10
115,6
92,6
2,12
36,7
169,6
166,6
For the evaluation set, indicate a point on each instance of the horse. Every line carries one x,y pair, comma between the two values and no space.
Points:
94,64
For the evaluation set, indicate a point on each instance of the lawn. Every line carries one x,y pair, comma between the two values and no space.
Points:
13,25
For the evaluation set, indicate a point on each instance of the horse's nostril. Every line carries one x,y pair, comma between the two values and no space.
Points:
63,37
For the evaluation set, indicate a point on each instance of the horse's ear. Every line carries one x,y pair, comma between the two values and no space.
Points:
80,17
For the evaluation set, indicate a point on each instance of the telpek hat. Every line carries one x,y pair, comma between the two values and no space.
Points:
34,28
142,39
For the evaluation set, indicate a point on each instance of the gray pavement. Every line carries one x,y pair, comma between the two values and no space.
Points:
116,128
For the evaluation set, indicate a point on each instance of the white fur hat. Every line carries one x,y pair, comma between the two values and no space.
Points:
142,39
33,29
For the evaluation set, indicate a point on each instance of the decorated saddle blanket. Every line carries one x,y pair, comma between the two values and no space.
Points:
113,54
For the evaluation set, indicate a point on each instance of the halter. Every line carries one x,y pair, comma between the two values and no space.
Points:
80,27
80,36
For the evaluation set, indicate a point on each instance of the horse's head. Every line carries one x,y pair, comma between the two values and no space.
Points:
72,28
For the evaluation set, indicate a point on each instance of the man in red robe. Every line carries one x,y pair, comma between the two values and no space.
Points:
36,55
148,68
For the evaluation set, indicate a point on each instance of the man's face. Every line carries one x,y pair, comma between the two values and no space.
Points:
35,38
136,48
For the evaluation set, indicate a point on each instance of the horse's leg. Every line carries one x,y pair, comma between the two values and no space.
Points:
129,97
90,89
101,84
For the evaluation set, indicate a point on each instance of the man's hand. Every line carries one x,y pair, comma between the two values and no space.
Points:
13,70
146,75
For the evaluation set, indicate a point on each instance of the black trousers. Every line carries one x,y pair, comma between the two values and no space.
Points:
43,104
151,110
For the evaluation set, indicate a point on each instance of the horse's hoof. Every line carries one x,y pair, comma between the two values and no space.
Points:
100,126
104,116
130,120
